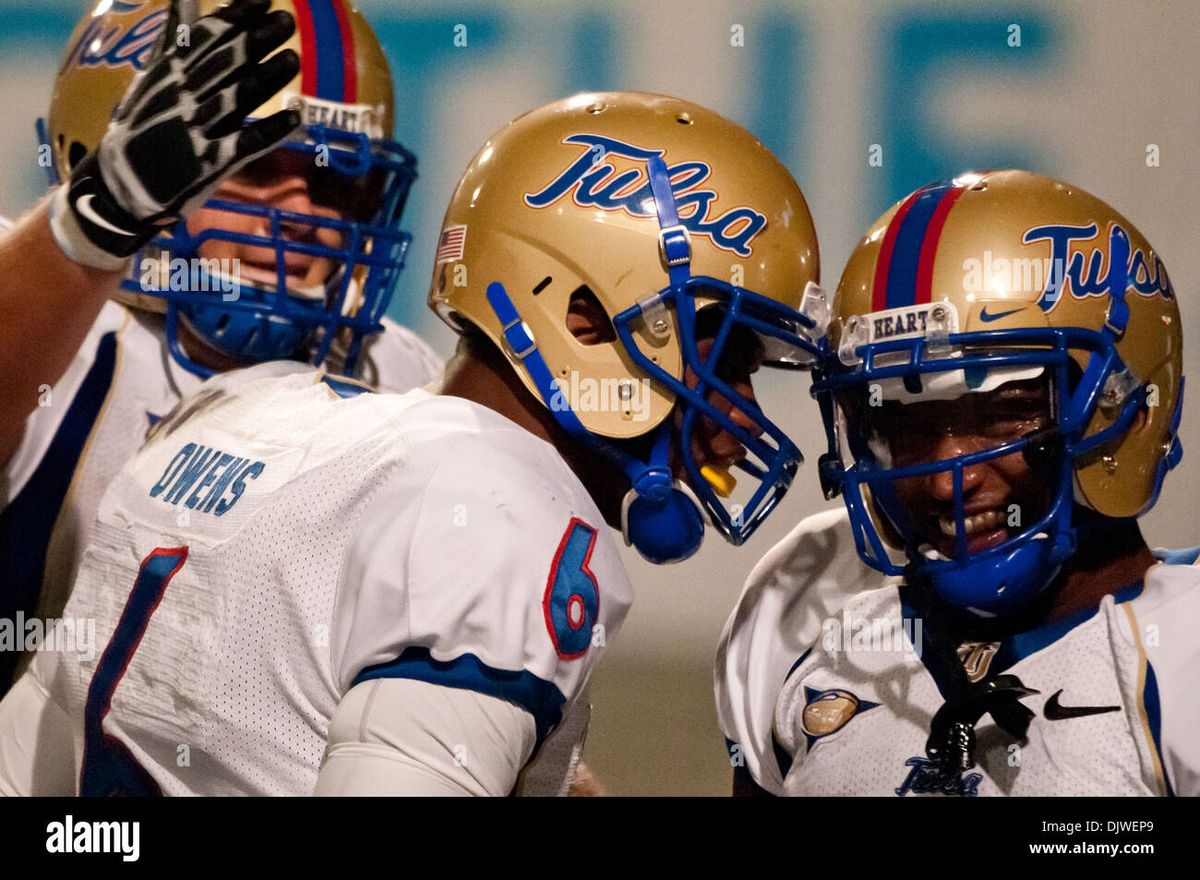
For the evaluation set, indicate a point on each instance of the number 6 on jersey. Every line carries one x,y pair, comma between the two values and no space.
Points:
572,601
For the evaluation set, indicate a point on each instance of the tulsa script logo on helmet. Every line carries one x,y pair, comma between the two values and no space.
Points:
117,45
595,183
1145,274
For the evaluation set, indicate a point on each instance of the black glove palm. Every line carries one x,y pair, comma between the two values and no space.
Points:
180,129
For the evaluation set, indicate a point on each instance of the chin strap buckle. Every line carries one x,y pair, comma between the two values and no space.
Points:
1116,317
518,340
675,246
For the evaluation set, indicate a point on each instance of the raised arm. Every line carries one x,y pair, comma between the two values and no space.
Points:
41,290
180,129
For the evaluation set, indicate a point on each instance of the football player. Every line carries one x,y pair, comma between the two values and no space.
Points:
1001,385
282,252
380,593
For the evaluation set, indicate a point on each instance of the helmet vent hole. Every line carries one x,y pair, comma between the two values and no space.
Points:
587,320
597,108
684,119
76,154
542,285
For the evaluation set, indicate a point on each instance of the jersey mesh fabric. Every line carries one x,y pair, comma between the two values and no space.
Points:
790,644
870,754
237,665
146,384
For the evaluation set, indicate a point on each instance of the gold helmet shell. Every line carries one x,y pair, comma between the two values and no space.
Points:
558,200
344,79
1012,249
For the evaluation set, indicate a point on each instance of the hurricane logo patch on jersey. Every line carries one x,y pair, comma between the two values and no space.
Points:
977,658
593,181
826,712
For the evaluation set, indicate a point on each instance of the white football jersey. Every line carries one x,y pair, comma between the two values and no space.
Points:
283,536
120,382
823,688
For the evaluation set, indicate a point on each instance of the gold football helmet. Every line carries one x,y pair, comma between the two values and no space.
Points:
344,96
992,278
659,210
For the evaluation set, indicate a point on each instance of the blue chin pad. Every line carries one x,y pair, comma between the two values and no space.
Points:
250,335
660,518
1002,583
664,524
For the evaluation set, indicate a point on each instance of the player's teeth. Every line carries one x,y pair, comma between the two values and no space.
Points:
985,521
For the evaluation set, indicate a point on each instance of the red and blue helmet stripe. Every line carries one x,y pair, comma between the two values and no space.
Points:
327,59
904,271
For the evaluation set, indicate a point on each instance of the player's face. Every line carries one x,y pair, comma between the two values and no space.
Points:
740,360
289,181
1000,494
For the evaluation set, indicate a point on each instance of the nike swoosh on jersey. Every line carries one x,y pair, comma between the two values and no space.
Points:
988,317
1056,711
84,207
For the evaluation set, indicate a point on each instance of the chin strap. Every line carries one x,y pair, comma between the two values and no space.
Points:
951,743
675,246
660,518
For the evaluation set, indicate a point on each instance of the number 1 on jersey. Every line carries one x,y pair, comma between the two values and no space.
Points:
108,767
